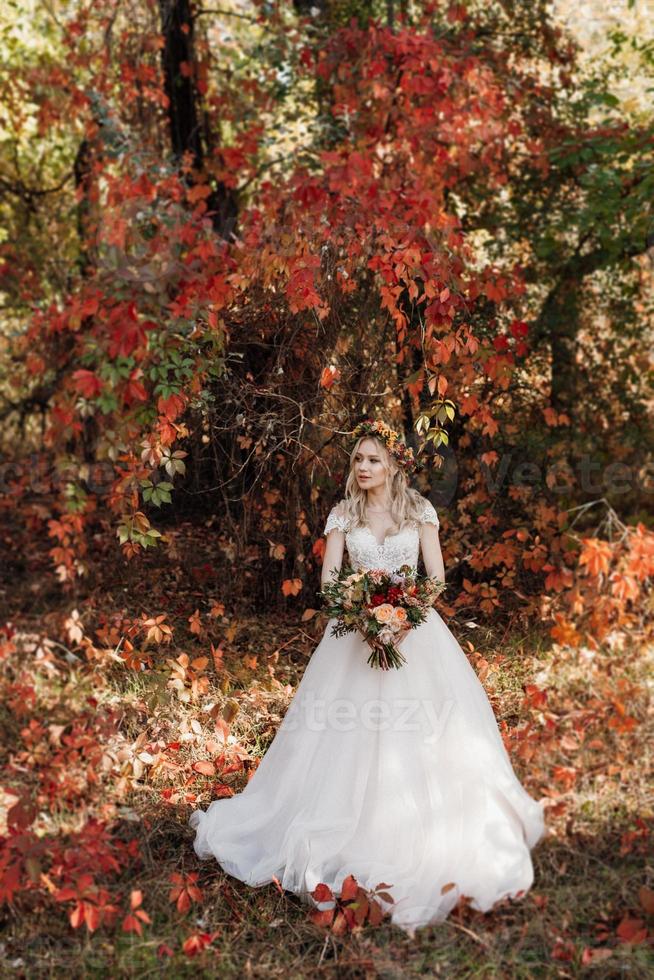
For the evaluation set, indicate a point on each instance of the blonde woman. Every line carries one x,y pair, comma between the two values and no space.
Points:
397,776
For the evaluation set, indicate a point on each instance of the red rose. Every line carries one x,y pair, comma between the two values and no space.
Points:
377,599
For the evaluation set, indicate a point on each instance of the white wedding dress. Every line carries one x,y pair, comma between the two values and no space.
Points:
397,776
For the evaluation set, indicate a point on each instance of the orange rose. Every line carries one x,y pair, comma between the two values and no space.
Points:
399,616
383,613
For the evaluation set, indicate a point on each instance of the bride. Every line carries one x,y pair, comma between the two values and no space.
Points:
397,776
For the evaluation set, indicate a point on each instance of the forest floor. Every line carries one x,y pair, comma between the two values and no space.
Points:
139,698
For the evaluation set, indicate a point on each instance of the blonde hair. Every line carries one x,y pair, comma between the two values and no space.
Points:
406,504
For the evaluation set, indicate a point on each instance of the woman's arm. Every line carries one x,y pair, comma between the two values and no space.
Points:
333,557
431,551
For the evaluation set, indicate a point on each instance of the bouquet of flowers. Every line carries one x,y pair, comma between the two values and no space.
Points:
380,605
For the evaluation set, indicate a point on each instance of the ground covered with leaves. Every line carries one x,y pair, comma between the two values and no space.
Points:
127,705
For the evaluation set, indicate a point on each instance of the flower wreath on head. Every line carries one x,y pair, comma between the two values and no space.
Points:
396,447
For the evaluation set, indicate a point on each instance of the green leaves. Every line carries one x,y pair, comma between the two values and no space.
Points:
158,493
431,422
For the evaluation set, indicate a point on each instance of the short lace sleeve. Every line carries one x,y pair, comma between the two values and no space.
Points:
429,515
336,520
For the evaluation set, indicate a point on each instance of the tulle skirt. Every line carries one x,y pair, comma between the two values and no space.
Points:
397,776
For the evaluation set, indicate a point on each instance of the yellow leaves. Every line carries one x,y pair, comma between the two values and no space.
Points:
277,551
230,710
291,586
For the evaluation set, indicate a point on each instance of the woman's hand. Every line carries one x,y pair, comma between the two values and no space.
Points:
400,636
370,640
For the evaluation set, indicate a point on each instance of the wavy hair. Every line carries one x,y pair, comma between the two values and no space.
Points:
406,503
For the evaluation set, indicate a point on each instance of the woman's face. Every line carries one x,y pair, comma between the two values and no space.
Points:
369,466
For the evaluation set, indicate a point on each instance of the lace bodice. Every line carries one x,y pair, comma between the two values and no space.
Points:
398,549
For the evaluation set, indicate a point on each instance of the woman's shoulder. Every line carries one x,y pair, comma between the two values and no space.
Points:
337,518
425,510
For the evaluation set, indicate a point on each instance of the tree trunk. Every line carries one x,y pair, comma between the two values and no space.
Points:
183,113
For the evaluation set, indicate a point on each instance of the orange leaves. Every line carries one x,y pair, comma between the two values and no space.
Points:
171,407
640,556
565,775
134,390
496,290
188,678
198,192
621,720
87,383
198,942
486,593
301,289
624,587
553,418
606,590
185,891
204,767
157,630
133,921
195,623
93,906
127,331
595,556
557,579
564,631
292,586
469,404
352,908
534,697
632,930
646,899
329,376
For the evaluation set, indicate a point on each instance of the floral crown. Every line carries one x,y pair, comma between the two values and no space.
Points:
396,447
